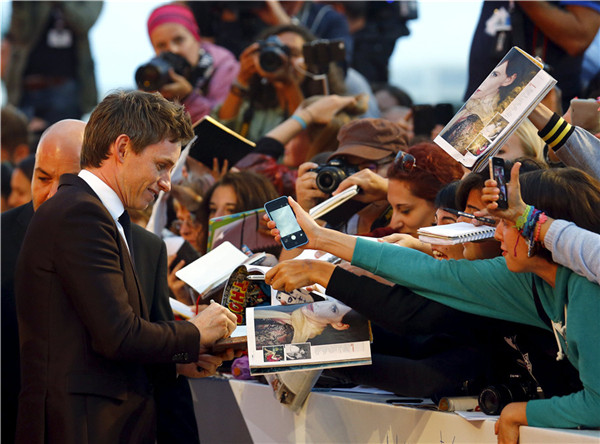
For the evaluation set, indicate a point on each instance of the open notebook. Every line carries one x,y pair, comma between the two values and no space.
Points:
457,233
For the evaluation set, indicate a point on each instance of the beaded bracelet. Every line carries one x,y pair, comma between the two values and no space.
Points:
543,218
300,120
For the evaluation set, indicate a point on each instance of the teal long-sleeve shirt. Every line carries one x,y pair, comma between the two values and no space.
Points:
489,288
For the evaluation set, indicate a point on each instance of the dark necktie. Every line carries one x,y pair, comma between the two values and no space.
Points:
125,222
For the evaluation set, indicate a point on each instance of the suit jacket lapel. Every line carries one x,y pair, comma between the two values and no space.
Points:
136,298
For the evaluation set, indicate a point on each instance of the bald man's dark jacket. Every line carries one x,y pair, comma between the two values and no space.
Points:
84,330
13,224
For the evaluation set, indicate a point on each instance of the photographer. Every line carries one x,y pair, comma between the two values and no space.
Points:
366,150
272,82
203,84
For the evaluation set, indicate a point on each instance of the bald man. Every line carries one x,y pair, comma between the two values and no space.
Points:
57,153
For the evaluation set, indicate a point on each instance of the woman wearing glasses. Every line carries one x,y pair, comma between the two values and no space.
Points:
523,286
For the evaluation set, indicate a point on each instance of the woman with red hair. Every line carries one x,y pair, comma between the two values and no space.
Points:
414,180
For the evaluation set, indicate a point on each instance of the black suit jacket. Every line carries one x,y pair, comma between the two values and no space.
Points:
84,329
13,224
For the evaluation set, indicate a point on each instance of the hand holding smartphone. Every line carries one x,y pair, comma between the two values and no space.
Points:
497,172
280,211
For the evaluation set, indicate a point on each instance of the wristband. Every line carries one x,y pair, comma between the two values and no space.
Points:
520,222
300,120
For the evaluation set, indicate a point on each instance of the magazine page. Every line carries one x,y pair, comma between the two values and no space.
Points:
246,288
292,388
493,112
304,336
217,225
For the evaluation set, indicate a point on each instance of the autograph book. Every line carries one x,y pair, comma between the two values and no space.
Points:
215,140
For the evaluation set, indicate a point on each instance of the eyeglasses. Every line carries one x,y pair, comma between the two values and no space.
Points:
406,161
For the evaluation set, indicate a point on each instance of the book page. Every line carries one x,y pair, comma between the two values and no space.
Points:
333,202
213,268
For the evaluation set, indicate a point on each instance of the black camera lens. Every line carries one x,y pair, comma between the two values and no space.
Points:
155,74
273,54
491,400
329,178
271,60
494,398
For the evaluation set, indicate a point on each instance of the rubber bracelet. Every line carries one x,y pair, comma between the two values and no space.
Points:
522,218
300,120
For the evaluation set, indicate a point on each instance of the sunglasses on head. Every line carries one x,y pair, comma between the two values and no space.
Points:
406,161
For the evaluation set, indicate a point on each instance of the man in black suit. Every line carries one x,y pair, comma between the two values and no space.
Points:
57,153
84,345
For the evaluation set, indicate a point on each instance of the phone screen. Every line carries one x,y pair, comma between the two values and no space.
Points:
497,173
286,221
291,233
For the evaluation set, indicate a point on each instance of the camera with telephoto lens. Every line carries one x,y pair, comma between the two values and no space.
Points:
330,175
494,398
272,54
154,75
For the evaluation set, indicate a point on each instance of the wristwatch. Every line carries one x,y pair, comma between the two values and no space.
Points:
238,90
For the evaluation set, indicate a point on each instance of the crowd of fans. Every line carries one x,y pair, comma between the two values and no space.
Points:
447,320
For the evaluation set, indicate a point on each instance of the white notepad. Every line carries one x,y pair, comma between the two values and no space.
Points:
457,233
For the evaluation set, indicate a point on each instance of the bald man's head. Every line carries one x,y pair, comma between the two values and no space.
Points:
58,153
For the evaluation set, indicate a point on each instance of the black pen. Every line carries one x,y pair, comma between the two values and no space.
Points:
470,216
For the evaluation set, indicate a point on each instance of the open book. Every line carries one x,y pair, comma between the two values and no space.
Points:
216,140
214,268
457,233
495,110
306,336
326,206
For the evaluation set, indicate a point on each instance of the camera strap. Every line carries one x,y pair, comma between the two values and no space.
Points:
203,71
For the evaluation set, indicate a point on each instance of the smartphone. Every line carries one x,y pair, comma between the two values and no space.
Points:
280,211
498,173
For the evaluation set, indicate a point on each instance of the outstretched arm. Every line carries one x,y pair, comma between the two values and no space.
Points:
571,246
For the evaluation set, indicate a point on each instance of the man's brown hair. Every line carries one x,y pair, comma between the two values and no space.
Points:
145,117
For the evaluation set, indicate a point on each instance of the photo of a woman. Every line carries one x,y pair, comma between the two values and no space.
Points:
305,322
496,92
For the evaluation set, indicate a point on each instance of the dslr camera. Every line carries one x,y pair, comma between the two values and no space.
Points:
272,54
330,175
154,75
494,398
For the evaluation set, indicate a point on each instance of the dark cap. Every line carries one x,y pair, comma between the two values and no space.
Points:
370,139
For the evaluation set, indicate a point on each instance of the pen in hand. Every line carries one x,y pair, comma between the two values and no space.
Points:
470,216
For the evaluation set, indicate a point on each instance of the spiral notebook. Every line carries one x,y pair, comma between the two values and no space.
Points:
457,233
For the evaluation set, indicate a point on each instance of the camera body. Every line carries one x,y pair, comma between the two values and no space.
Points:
272,54
154,75
493,398
331,174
